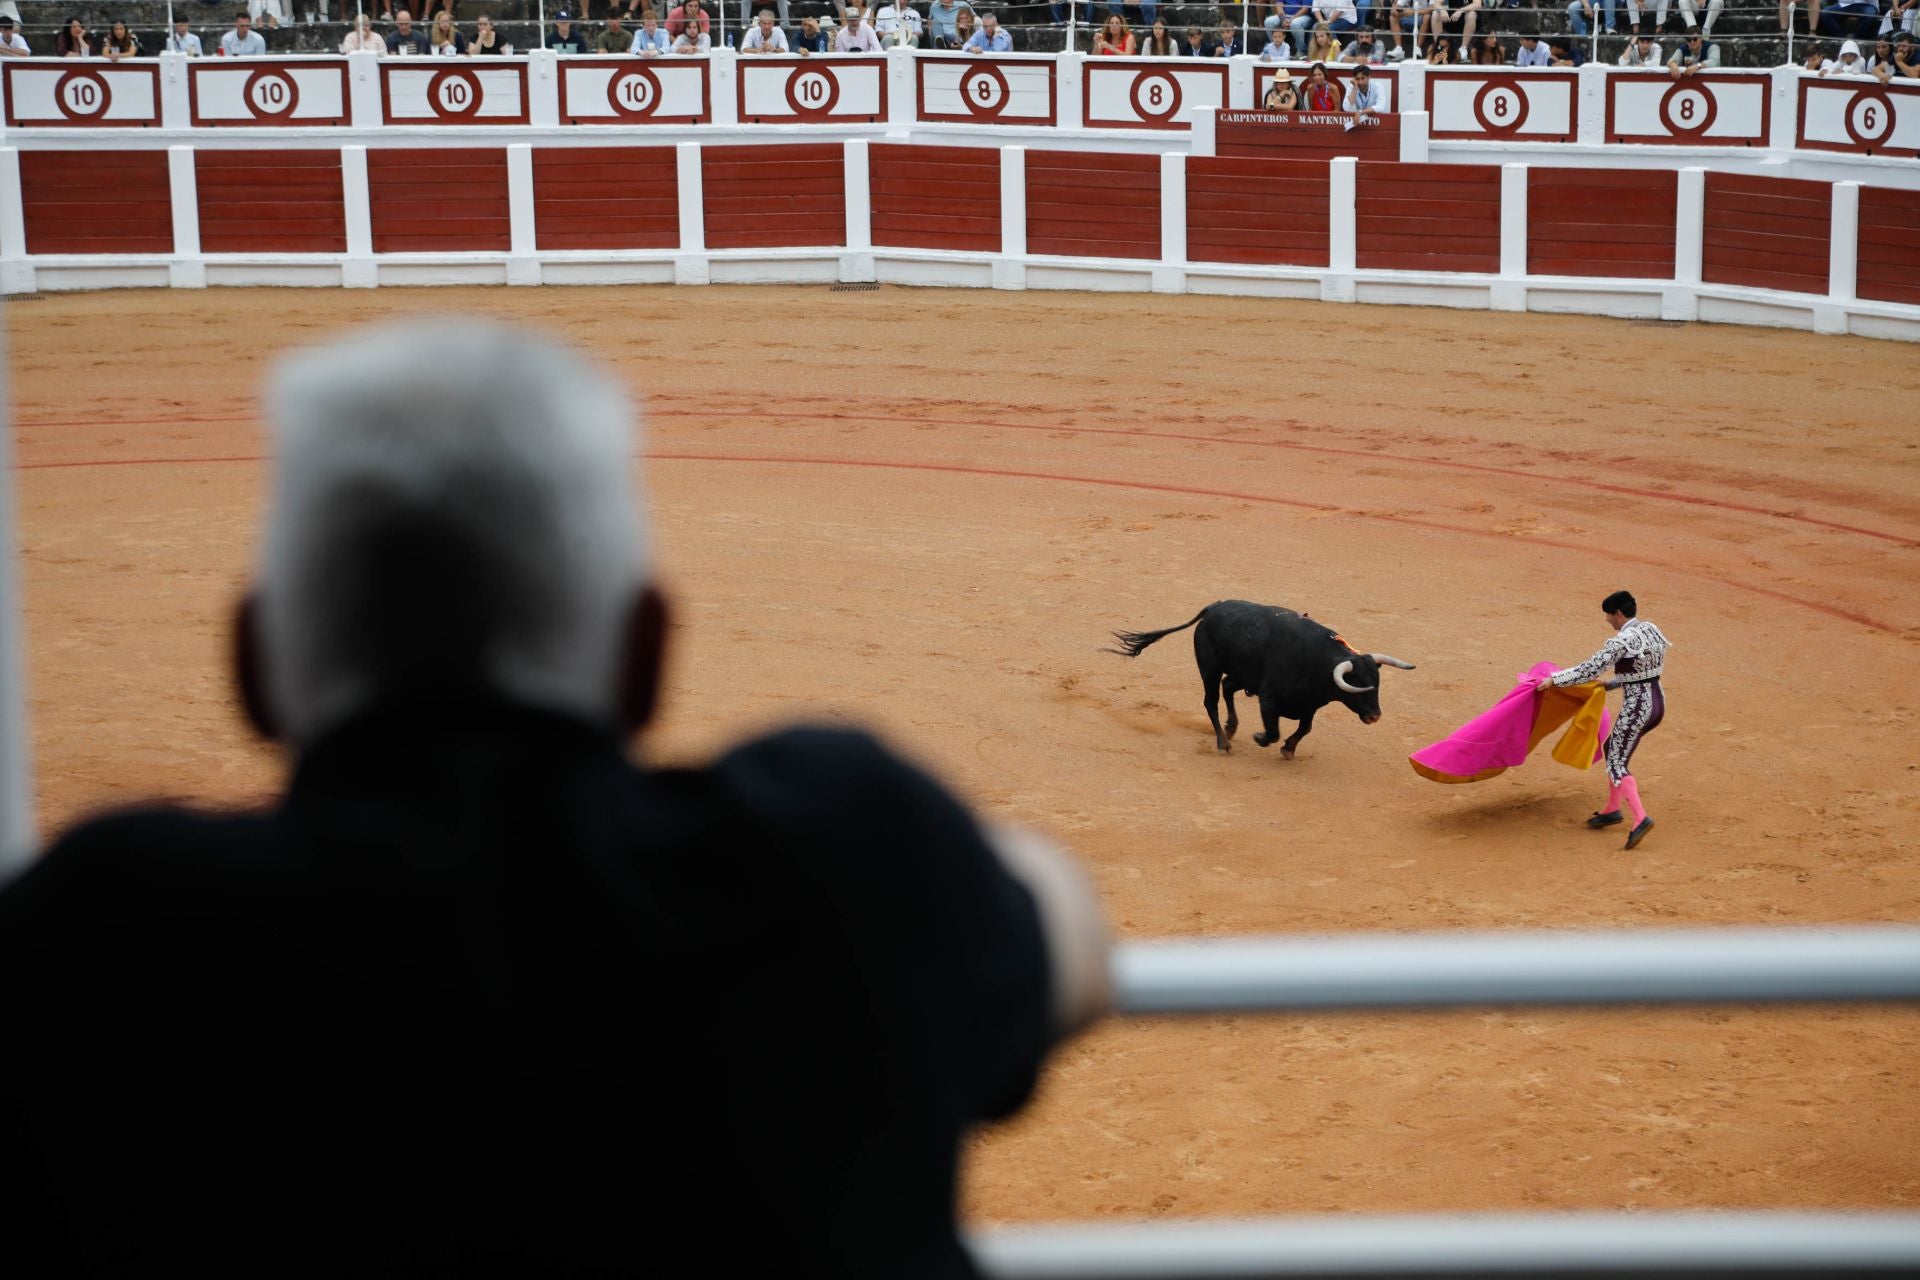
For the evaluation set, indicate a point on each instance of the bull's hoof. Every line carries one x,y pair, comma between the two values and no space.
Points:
1224,747
1286,753
1262,740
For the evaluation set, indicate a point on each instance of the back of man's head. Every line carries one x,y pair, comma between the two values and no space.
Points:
451,517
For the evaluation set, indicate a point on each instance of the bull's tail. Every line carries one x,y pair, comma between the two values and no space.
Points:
1132,642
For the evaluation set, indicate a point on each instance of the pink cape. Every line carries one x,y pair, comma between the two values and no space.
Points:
1506,733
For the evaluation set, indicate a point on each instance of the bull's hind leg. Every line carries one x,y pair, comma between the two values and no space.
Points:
1227,689
1306,727
1270,725
1210,681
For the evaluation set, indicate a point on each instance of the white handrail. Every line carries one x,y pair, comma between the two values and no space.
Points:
1773,1245
1792,9
1360,971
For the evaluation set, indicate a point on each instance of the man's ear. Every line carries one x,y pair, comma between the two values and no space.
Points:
250,669
643,660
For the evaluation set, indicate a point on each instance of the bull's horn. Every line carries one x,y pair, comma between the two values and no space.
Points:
1387,660
1340,679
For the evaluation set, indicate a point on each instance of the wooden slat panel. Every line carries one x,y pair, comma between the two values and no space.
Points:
766,196
608,197
270,201
96,202
452,199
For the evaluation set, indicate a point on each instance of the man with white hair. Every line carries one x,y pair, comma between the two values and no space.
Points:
855,36
479,995
764,37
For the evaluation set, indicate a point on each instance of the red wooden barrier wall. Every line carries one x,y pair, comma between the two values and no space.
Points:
1601,222
1770,233
1085,204
96,201
1257,211
1427,217
270,201
775,194
935,197
606,198
426,200
1889,267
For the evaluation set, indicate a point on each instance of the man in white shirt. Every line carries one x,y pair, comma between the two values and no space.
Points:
1363,96
1340,15
898,25
183,40
1532,53
12,43
856,36
1642,51
650,41
243,41
764,37
989,38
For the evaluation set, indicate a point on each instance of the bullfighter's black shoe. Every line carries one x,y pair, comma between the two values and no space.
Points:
1639,832
1599,820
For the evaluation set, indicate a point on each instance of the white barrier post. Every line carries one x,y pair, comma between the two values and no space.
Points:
176,106
690,267
543,89
1843,259
16,273
1414,137
902,99
1590,105
16,788
723,70
363,90
1783,130
1682,302
1170,275
1342,188
359,270
187,270
856,264
1010,268
1206,123
1069,71
523,266
1509,293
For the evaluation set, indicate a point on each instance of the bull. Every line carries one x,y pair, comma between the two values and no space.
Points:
1292,664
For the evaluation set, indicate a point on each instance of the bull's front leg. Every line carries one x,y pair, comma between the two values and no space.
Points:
1306,727
1270,724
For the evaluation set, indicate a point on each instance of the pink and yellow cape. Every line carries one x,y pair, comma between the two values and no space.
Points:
1506,733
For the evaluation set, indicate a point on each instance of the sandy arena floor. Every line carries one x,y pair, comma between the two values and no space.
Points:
926,510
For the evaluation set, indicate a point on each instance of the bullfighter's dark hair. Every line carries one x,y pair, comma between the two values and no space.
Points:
1619,602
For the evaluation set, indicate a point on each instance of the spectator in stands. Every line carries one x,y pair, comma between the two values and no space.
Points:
119,42
811,39
679,15
1849,63
1364,48
1159,42
73,40
564,39
1695,54
14,45
1279,47
747,13
363,38
1853,19
1338,16
1531,53
1815,59
965,26
693,39
1196,44
855,36
1114,40
486,42
1905,60
1228,44
1487,51
1903,16
989,38
1440,52
1463,13
650,41
1281,95
1410,19
445,40
1290,19
1320,93
1562,52
899,25
1364,97
1689,14
1321,46
1580,12
1642,51
406,39
1880,61
269,9
943,18
616,39
764,37
437,935
243,41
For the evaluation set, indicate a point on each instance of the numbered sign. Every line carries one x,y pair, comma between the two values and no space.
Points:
635,91
1860,116
482,91
303,92
94,95
1711,109
1385,79
1536,106
775,90
1132,94
1002,90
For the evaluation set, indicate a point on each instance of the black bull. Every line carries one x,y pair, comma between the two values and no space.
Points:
1291,663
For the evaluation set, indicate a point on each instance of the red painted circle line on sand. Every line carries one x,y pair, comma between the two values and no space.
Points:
1599,486
1140,486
